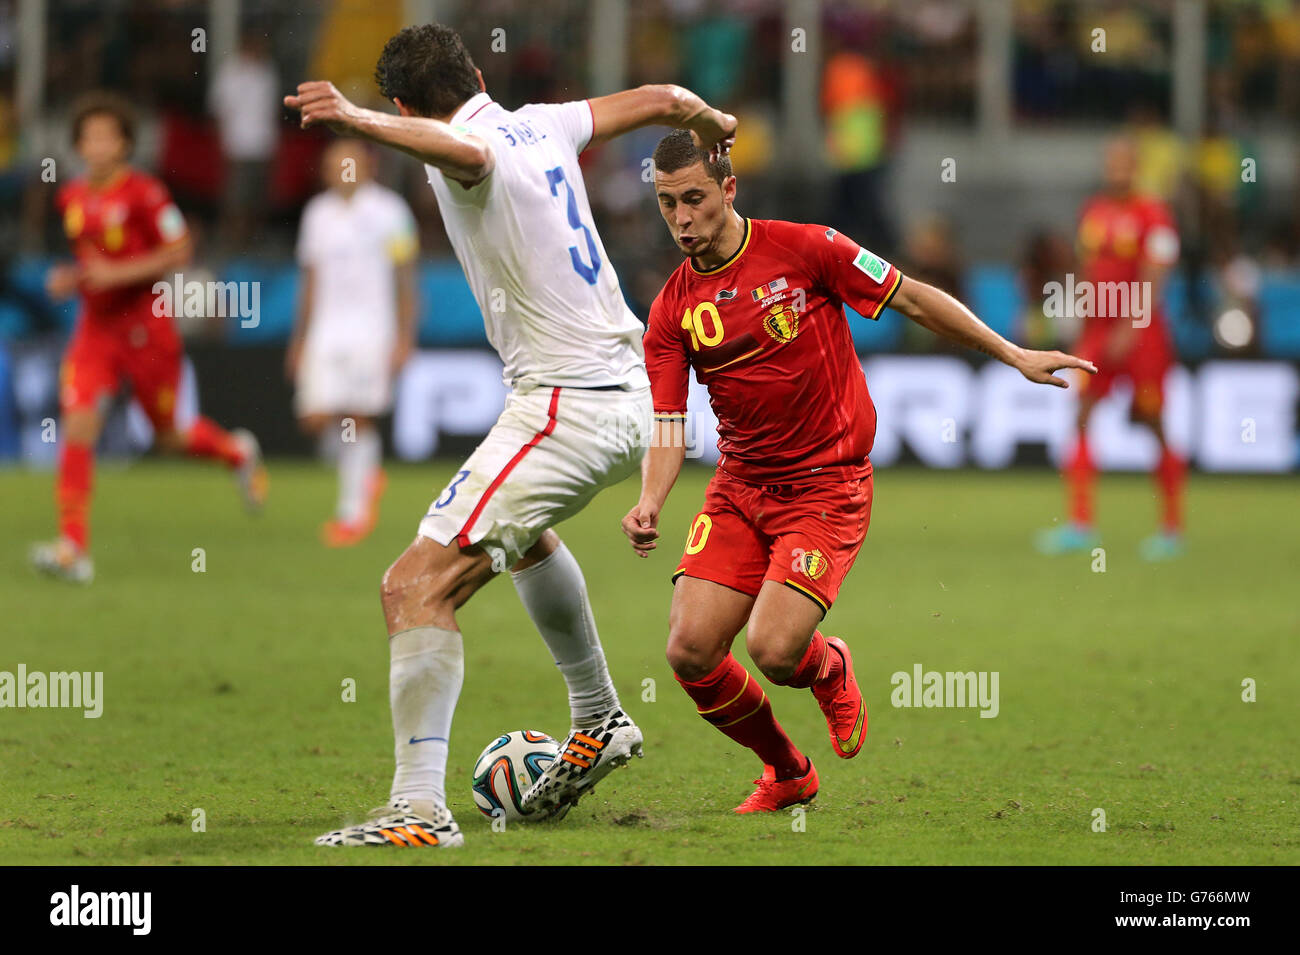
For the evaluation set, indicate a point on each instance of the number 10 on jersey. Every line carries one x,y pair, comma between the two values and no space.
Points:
693,323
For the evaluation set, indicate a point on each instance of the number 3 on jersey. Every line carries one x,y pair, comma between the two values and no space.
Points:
588,272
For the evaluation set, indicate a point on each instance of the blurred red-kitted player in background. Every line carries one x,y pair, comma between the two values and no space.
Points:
1126,241
126,234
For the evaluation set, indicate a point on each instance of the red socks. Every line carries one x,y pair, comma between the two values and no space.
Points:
1170,474
207,439
1080,474
820,663
72,491
732,700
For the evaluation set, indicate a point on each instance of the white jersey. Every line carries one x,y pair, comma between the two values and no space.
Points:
551,303
352,246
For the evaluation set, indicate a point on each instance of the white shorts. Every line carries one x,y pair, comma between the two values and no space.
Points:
344,380
551,451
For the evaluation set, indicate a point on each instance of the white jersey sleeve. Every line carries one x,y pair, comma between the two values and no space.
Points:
574,121
308,250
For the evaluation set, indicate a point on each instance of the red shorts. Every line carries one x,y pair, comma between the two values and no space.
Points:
805,536
144,349
1145,365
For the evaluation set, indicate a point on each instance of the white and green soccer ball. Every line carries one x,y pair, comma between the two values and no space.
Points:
506,768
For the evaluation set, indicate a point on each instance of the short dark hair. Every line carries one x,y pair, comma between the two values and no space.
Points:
428,69
677,151
104,103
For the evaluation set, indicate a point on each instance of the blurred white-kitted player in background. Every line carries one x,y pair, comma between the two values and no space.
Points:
356,326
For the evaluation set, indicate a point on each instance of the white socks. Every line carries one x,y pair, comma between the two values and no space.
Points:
358,460
424,680
555,595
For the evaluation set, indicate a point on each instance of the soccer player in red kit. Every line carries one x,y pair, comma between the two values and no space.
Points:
126,234
758,311
1129,240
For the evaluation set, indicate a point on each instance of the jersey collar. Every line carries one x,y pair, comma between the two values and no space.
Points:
744,244
470,107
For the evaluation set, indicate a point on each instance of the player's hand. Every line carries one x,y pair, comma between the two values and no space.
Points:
1039,366
716,132
640,525
292,358
320,102
98,273
61,281
1119,344
402,352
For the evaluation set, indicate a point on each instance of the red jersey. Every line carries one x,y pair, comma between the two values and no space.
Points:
767,335
1119,238
132,215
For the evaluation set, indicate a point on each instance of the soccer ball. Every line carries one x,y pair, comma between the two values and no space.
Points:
507,767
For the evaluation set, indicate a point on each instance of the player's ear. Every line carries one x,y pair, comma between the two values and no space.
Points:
481,85
401,108
729,190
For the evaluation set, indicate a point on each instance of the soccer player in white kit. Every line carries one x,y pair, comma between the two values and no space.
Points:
356,325
515,207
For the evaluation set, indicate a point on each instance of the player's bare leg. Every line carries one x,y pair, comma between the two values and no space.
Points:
237,449
68,556
361,478
1080,475
601,736
1170,474
784,642
421,592
703,622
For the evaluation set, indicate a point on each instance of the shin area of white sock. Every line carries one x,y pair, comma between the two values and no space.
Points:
425,675
554,593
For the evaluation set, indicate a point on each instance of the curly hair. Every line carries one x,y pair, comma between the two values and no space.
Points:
428,69
677,151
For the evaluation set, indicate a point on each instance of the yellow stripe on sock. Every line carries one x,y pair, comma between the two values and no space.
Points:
730,701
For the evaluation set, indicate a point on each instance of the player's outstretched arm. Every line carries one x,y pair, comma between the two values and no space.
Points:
662,105
942,314
462,156
659,470
100,272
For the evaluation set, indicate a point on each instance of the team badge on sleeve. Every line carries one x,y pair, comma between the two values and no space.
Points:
171,224
873,266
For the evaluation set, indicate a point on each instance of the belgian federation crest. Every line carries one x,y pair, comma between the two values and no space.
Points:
814,564
782,323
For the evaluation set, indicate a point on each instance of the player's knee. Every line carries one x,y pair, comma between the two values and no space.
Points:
423,587
691,656
312,424
169,439
775,656
81,426
404,589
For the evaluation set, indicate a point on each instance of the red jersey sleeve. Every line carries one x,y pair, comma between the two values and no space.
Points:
159,218
858,277
667,363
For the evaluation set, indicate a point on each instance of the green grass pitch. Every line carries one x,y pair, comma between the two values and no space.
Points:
1119,691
